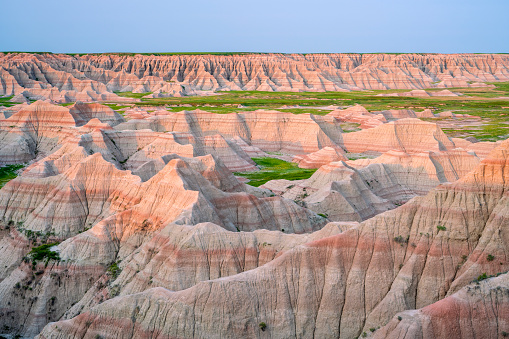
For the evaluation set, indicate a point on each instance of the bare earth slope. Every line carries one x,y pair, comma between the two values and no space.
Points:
140,221
338,286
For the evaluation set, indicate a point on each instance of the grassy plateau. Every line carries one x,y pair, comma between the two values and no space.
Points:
489,103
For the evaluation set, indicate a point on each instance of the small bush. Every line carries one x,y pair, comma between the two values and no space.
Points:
262,326
400,240
399,318
44,252
482,277
441,228
372,329
490,257
323,215
114,270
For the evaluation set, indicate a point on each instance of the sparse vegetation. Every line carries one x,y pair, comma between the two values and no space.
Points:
485,276
490,257
44,252
400,240
132,95
114,270
475,101
441,228
348,127
272,168
262,326
482,277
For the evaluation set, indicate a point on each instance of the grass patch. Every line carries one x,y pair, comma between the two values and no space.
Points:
272,168
7,173
132,95
116,107
5,101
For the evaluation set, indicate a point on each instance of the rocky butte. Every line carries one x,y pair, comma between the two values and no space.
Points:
139,222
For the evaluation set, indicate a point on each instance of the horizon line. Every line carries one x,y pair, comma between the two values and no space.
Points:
238,53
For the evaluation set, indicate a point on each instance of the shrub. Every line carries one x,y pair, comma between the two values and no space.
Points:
372,329
399,318
482,277
114,270
490,257
441,228
323,215
44,252
400,240
262,326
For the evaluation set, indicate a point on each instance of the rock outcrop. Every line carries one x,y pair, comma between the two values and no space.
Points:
479,310
343,285
66,78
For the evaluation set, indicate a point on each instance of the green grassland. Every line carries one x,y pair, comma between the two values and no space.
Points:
481,102
271,168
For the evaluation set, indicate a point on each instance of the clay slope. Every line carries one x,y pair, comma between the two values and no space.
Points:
106,213
270,131
338,286
479,310
38,129
85,193
358,190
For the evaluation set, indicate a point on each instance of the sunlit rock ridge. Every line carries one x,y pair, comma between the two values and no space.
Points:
66,78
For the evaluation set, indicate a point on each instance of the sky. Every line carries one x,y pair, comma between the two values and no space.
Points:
282,26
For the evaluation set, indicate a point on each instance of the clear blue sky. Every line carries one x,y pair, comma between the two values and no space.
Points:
442,26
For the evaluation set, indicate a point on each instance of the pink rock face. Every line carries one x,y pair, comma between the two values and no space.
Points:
408,135
84,112
269,131
156,237
345,284
65,78
360,115
317,159
479,310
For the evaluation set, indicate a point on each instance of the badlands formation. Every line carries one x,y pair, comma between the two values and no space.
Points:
138,223
70,78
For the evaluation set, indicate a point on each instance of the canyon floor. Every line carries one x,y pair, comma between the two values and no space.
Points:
254,196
